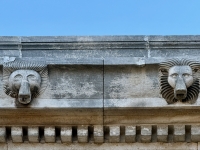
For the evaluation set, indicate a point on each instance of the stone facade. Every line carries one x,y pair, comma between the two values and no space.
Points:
100,92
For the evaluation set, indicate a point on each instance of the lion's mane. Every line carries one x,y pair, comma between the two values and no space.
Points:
167,91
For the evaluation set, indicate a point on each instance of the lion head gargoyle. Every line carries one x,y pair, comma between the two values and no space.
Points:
24,80
179,81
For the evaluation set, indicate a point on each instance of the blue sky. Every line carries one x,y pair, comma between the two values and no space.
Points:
99,17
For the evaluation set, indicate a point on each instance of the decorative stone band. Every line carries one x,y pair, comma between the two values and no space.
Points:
101,134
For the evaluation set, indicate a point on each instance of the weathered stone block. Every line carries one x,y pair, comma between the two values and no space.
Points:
76,82
82,133
195,133
146,132
66,134
2,134
33,134
120,80
98,134
162,133
179,133
130,134
49,134
17,134
114,134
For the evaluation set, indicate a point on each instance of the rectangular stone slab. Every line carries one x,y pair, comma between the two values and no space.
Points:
195,133
17,134
59,112
74,82
66,134
162,133
126,82
114,134
130,134
70,82
146,132
2,134
49,134
82,134
179,133
33,134
150,116
98,134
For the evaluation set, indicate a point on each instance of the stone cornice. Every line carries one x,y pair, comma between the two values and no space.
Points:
99,42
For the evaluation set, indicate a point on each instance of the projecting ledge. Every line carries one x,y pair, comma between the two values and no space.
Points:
55,61
54,104
137,61
49,112
146,103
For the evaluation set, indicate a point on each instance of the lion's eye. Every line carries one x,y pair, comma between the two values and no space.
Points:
174,75
186,75
18,78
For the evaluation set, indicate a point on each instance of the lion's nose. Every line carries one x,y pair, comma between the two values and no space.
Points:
24,95
180,90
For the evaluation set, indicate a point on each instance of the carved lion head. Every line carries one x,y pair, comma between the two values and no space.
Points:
179,81
24,80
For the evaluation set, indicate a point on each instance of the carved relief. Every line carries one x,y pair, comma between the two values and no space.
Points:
24,80
179,80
